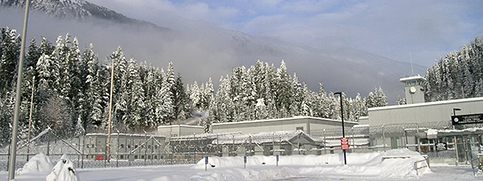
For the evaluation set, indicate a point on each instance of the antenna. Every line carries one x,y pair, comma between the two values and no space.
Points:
411,57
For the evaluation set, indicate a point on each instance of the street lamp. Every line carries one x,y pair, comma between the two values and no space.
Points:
342,119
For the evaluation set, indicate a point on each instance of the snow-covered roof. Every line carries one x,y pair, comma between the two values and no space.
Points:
203,136
123,134
285,119
427,104
417,77
180,125
263,137
467,131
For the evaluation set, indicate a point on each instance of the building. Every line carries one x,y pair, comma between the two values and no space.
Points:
413,89
179,130
246,144
125,146
303,123
428,127
283,136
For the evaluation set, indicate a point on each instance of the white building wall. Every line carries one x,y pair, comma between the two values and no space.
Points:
179,130
424,112
307,124
258,127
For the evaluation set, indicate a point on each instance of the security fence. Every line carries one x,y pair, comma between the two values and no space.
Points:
439,141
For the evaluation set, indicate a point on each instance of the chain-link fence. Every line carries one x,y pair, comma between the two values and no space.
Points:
438,140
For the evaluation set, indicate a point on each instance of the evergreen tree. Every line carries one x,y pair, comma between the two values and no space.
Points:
456,75
283,91
10,49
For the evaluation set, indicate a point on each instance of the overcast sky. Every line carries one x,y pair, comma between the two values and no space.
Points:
395,29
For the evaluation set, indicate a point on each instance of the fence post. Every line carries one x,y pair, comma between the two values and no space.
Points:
417,138
383,138
353,141
325,145
83,147
117,149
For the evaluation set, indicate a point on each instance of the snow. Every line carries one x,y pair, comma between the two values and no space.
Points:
397,164
63,171
40,163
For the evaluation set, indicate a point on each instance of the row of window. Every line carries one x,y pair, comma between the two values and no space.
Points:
101,157
128,146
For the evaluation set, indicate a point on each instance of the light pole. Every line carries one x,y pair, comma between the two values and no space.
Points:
13,143
342,119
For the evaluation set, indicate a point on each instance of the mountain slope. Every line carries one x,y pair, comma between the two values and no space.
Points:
75,9
206,51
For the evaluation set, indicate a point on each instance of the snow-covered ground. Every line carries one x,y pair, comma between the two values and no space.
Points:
390,165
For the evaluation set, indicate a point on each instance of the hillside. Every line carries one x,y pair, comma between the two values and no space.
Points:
207,51
74,9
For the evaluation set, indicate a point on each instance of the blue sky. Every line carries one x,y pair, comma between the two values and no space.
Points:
427,29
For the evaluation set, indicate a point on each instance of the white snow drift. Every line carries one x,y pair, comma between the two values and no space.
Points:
398,164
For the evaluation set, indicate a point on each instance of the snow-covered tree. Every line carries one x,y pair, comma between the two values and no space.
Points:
9,56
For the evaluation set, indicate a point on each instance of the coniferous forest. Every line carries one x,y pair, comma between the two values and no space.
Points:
459,74
68,89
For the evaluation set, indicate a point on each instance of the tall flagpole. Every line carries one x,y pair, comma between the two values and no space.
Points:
13,143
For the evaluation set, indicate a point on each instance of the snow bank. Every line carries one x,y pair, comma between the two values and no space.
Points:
63,171
40,163
393,163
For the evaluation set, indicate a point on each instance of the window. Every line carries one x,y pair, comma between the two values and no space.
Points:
299,128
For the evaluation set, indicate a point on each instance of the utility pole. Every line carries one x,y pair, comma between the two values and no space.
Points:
13,144
30,116
108,150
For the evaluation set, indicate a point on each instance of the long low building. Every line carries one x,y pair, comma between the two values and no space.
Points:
125,146
236,143
430,112
304,123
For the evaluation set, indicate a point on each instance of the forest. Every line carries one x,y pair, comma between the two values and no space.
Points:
458,74
67,89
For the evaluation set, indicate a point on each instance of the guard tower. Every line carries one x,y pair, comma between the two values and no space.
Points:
413,89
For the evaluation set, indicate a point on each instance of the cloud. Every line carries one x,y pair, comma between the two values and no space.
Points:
389,28
308,6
